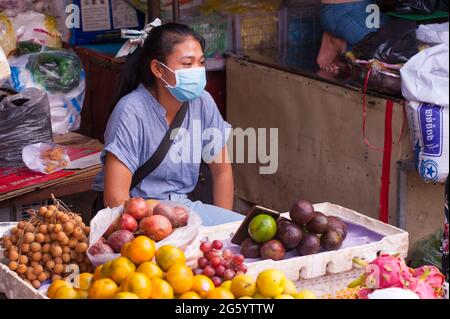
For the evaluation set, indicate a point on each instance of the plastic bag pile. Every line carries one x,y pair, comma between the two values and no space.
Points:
33,44
425,85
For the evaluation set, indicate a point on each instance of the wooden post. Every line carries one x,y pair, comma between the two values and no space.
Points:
153,9
176,10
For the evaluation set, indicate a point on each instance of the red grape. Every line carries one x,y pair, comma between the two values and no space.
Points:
229,265
216,261
217,244
227,254
212,254
209,271
217,281
229,274
242,268
238,259
205,247
198,271
220,270
202,262
224,262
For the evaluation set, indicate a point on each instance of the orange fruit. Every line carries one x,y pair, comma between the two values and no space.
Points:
124,248
271,283
54,286
181,278
161,289
140,250
97,272
190,295
220,293
305,294
66,292
151,269
84,294
83,281
104,272
167,256
226,284
243,286
103,289
138,284
125,295
120,269
202,285
284,296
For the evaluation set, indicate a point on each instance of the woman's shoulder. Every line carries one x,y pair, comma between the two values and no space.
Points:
207,99
204,103
133,102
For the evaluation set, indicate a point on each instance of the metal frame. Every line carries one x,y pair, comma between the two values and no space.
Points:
154,9
403,167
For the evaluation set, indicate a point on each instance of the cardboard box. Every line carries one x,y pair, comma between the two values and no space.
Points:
102,20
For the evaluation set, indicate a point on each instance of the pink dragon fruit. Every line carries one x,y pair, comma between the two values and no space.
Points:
387,271
364,293
431,276
423,289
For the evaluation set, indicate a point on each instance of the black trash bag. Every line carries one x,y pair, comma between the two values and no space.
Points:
417,6
393,43
24,120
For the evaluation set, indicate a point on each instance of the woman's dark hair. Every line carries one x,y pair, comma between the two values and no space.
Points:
159,44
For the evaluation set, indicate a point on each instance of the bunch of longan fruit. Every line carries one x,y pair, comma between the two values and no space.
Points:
42,247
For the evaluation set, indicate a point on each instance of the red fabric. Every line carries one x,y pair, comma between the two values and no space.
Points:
386,170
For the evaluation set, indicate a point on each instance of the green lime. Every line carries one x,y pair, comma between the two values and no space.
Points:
262,228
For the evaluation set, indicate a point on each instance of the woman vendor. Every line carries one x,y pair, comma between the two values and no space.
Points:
165,74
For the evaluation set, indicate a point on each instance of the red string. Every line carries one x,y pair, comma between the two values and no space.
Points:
387,150
366,140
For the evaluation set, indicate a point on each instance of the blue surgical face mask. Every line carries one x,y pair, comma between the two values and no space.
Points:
190,83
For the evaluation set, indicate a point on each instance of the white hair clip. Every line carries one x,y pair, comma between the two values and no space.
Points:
135,38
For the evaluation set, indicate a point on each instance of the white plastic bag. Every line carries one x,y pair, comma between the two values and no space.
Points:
61,75
37,28
436,33
180,238
430,138
425,77
45,158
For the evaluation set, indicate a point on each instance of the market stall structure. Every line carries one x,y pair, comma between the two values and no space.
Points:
342,138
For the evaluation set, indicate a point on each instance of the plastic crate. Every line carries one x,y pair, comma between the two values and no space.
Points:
300,24
217,32
21,211
256,30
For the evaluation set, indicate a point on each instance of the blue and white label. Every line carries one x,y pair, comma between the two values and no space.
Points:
430,120
429,170
429,125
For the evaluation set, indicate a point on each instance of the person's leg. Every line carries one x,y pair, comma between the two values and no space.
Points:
331,46
353,23
330,49
213,215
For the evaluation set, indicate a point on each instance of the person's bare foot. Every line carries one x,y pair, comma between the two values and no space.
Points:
330,49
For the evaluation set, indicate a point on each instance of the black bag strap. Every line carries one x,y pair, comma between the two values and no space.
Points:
162,150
